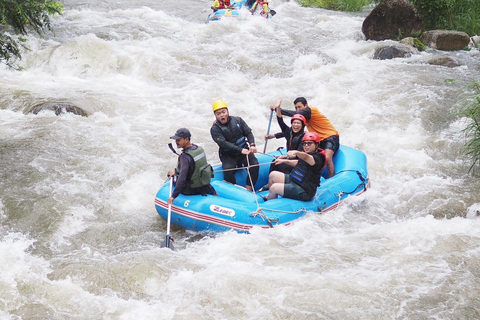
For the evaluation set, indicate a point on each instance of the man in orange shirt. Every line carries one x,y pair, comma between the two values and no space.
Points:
317,122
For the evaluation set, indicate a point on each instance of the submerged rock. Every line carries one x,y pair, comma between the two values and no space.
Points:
444,61
394,51
414,42
59,108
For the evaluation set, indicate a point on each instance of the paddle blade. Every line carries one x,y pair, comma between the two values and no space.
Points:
168,243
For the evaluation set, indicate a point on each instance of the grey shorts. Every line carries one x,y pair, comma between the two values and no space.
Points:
294,191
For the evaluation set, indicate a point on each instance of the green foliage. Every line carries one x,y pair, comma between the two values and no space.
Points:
418,44
8,50
340,5
20,15
460,15
472,131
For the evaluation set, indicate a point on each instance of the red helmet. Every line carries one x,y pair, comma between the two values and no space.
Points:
298,116
311,136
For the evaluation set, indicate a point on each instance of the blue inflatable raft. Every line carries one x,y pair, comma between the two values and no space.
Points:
227,13
239,209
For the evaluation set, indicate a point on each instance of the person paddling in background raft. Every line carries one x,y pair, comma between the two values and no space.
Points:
221,4
302,182
317,122
236,144
192,171
293,135
266,12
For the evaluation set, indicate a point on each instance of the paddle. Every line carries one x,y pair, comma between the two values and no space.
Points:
279,102
268,131
167,243
171,148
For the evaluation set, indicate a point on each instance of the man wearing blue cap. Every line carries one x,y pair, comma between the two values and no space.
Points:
193,171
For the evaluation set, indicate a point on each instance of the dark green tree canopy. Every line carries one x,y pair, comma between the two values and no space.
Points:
20,15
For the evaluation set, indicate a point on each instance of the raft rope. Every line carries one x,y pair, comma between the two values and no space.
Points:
264,217
283,211
254,165
259,211
363,183
241,168
251,182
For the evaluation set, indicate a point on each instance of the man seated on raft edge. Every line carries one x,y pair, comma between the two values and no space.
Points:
193,171
319,123
302,182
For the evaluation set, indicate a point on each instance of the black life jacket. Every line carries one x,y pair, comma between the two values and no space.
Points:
294,142
233,133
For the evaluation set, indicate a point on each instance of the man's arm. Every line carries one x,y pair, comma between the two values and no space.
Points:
308,158
182,176
279,135
307,113
247,132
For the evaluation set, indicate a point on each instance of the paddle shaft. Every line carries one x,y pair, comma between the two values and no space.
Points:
268,131
168,239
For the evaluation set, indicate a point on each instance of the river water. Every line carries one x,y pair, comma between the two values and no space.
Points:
79,234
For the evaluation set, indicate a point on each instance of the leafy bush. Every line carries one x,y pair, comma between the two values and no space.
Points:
19,15
340,5
472,131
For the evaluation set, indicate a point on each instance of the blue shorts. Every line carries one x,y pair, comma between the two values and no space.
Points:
332,143
292,190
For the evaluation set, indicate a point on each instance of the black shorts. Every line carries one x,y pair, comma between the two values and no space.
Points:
332,143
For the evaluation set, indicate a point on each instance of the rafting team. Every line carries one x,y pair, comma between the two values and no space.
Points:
252,4
295,175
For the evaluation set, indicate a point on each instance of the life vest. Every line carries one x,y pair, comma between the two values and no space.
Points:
307,176
324,155
233,133
295,141
202,172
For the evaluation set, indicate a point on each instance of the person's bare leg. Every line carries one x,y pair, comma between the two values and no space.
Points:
276,182
276,176
329,160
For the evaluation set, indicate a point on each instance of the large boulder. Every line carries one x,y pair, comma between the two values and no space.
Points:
446,39
392,19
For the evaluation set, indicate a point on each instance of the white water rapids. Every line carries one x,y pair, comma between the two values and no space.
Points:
79,234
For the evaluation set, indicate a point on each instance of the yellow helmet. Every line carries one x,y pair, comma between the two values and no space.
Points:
219,104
